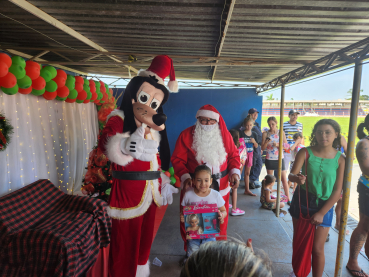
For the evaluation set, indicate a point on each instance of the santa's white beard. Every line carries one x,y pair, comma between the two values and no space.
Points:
209,146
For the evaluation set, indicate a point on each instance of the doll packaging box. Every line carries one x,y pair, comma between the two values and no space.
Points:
201,221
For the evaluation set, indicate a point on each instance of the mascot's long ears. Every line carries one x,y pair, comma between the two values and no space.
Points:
164,147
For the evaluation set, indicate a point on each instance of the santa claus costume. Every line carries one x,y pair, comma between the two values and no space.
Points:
211,145
130,140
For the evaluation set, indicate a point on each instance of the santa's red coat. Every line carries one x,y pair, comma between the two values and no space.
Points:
184,163
132,204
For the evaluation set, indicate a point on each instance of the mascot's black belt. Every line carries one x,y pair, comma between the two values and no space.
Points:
217,176
136,175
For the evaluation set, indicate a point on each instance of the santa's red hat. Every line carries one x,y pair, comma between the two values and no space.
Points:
211,112
162,67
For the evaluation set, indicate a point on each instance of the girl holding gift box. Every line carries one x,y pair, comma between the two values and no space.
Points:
202,194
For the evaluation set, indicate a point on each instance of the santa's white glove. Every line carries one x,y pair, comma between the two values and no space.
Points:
167,191
138,147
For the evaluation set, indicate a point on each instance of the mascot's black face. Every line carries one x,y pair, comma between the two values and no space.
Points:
149,100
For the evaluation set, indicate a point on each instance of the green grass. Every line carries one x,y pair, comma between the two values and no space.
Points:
309,122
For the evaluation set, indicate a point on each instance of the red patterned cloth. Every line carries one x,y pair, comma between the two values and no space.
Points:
44,232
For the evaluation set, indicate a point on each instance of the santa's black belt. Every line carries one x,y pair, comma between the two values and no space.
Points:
136,175
215,177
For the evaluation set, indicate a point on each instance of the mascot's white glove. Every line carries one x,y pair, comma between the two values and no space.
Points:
167,190
138,147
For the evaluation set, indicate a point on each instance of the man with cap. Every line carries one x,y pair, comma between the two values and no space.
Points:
208,142
257,163
290,128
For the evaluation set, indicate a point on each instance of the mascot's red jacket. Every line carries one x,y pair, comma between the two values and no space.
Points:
130,140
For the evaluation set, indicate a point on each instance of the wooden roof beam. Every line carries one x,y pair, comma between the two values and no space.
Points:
224,34
39,55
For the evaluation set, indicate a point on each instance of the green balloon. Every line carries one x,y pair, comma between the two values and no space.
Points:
71,78
60,99
52,71
86,88
79,101
86,82
51,86
73,94
171,171
89,95
25,82
46,74
10,91
38,92
100,96
19,61
18,71
97,84
172,180
70,84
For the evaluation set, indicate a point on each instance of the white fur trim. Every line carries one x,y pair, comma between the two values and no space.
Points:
143,270
156,135
148,73
118,213
173,86
184,177
154,184
207,113
113,151
116,113
235,171
225,191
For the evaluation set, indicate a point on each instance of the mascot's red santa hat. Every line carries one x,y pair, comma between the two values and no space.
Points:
161,67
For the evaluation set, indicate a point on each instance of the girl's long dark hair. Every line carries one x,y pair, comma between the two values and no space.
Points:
336,127
360,129
267,180
236,137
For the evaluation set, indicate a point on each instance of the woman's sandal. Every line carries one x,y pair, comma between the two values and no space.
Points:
360,273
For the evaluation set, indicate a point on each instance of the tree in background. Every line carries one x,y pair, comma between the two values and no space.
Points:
270,97
362,97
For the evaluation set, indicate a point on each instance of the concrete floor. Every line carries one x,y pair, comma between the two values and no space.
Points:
267,232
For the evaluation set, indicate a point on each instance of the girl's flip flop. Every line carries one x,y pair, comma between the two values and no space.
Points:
360,273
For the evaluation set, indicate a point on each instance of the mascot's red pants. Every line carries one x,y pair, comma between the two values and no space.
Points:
132,243
223,227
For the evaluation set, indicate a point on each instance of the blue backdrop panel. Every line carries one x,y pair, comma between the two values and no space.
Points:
233,105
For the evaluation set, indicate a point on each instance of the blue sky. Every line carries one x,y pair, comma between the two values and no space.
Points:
330,87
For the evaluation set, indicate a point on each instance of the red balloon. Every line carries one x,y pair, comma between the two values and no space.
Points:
59,81
32,63
79,80
105,97
92,83
25,90
93,97
103,89
82,95
62,74
5,59
32,71
92,89
86,101
49,95
4,69
8,81
39,83
78,86
70,100
97,101
63,92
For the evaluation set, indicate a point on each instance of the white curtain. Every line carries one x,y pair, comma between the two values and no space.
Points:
51,140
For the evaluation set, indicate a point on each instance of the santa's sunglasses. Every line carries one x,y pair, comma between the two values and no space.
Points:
205,121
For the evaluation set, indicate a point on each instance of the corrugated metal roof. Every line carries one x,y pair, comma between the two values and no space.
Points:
265,38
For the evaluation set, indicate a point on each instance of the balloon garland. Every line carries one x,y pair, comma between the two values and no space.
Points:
6,130
25,77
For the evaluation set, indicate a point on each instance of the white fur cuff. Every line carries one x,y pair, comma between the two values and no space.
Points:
143,270
114,152
235,171
225,191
